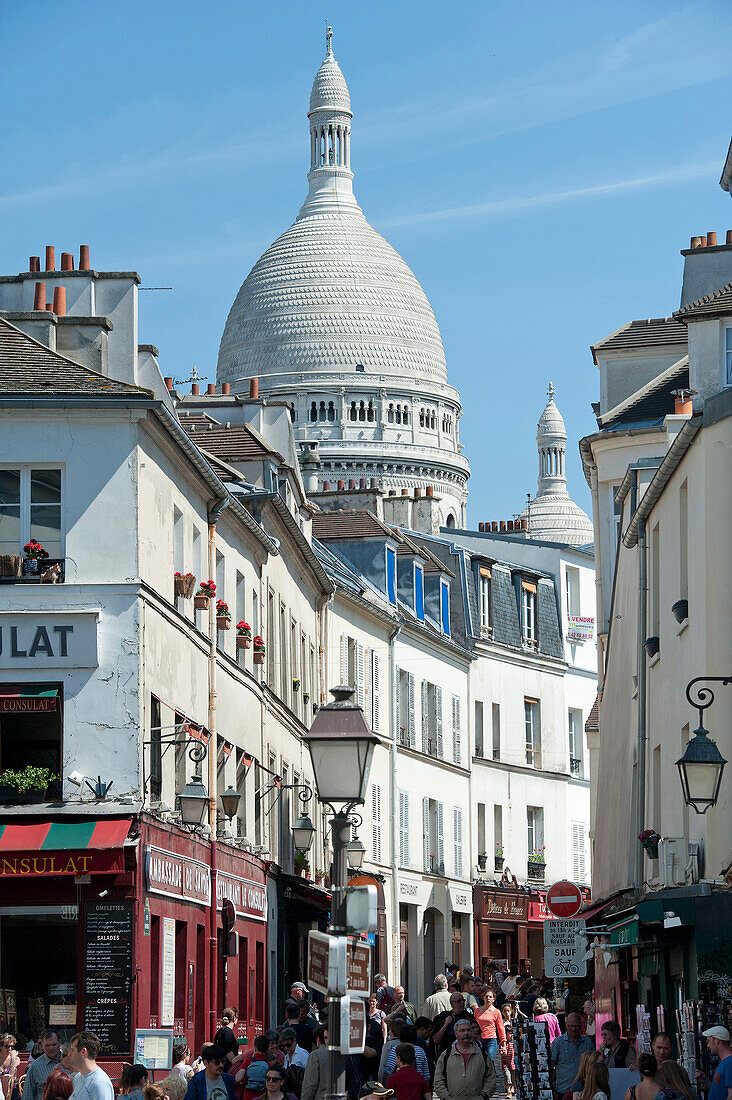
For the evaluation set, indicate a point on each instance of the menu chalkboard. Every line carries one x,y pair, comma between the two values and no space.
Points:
108,974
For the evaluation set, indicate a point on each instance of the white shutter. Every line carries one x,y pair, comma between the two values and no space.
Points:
457,827
360,684
344,658
375,692
579,859
425,718
426,827
398,718
411,720
440,841
438,708
404,828
376,822
456,747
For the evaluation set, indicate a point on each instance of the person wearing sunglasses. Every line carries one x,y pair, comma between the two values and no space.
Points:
294,1054
275,1085
9,1063
211,1083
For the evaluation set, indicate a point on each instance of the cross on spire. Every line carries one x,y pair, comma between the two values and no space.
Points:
328,37
550,392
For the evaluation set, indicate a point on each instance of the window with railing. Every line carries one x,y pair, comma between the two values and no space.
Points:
31,513
574,724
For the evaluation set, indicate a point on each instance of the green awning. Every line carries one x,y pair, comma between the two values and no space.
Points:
625,932
27,698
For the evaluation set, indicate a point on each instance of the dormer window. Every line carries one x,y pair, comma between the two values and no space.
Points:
485,598
528,613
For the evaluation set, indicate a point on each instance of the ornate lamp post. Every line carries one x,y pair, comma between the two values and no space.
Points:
702,765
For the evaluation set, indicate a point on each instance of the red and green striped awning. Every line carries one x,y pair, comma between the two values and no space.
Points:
27,698
57,836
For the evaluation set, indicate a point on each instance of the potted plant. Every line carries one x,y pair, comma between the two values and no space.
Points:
498,857
206,592
680,610
537,862
649,838
306,697
295,684
318,875
302,864
259,649
33,554
652,645
482,860
184,584
223,615
243,635
26,786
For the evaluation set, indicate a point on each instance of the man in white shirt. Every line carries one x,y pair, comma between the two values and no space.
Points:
439,1001
511,984
92,1082
294,1055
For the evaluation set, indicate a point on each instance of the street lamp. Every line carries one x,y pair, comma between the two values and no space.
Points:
701,766
355,854
193,802
303,832
230,802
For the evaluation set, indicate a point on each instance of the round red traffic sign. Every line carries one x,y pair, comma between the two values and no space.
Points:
564,899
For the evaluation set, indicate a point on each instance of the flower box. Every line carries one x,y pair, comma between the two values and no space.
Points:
200,602
482,860
242,642
536,870
243,635
652,645
11,565
184,585
498,863
259,656
680,610
223,622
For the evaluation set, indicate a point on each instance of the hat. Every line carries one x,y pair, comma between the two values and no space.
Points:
299,985
376,1088
717,1033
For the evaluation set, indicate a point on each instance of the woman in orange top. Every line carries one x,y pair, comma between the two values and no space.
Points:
490,1022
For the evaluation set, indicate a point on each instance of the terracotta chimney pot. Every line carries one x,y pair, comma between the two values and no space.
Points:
695,242
39,301
50,258
711,240
494,525
84,261
195,388
169,382
703,241
59,301
417,493
405,492
225,388
683,406
351,483
481,527
509,525
430,490
210,389
374,483
254,389
326,486
49,307
341,485
503,524
34,263
67,261
362,484
729,236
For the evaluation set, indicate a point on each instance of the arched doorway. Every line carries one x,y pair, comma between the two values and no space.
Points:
433,938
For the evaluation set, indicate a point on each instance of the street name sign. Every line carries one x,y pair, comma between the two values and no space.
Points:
566,962
564,899
358,980
327,962
563,933
353,1025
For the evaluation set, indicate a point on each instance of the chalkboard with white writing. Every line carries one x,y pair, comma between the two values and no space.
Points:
108,973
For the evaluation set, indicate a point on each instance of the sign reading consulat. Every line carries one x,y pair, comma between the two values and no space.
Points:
48,639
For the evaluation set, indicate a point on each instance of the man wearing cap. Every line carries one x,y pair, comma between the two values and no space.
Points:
374,1089
298,993
720,1086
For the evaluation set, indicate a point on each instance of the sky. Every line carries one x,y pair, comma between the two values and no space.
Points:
538,165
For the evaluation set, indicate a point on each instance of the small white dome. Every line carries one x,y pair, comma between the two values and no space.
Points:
330,88
551,421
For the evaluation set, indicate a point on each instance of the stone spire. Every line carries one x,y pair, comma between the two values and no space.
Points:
330,176
551,440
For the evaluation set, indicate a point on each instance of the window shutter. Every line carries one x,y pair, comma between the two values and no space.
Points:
360,684
426,827
457,820
376,692
438,708
344,658
376,822
411,722
579,860
456,746
425,717
440,841
398,718
404,828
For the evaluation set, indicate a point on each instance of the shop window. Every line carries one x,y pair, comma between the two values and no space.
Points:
36,979
155,931
181,960
30,508
156,750
31,722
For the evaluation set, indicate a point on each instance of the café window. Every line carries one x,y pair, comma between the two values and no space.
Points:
39,986
30,508
30,736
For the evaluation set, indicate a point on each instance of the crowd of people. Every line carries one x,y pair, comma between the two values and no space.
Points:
458,1046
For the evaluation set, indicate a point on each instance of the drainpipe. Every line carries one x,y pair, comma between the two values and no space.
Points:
642,735
214,514
600,612
395,932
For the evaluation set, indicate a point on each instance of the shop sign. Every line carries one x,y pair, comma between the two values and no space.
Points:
176,876
36,865
580,628
461,899
65,639
108,928
358,968
505,906
167,973
249,898
625,934
353,1025
409,890
538,910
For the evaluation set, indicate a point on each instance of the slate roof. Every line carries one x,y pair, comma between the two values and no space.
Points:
653,332
651,402
29,367
592,724
711,305
349,526
236,443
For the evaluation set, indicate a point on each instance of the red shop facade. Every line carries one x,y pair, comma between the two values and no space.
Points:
105,924
508,927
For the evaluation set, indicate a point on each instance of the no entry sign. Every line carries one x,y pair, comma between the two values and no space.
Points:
564,899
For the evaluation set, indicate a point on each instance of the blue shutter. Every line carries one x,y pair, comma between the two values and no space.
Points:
445,604
419,593
391,575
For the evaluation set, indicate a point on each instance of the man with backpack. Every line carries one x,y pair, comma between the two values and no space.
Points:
250,1076
462,1071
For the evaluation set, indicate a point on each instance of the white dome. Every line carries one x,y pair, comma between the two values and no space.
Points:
329,294
330,88
554,517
